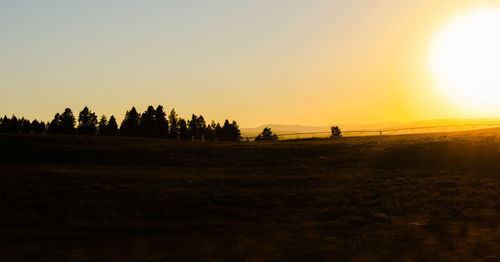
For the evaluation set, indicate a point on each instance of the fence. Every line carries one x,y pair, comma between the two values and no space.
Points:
395,131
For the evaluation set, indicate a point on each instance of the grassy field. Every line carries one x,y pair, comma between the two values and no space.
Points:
400,198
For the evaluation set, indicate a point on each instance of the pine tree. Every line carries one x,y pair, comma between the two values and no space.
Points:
209,133
130,125
55,126
235,132
38,127
193,127
87,122
174,124
67,122
102,127
11,125
201,126
161,123
112,127
218,132
147,122
183,130
24,126
230,132
3,124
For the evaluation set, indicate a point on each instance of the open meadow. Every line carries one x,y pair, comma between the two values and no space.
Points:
381,198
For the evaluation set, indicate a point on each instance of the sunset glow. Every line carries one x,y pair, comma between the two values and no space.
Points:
465,60
260,62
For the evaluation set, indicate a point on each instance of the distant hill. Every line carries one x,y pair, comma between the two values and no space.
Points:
284,129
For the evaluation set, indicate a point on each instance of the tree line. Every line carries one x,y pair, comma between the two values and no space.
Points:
153,122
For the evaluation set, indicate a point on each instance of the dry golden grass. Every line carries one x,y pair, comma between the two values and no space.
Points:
401,198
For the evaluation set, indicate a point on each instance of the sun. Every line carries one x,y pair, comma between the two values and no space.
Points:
465,60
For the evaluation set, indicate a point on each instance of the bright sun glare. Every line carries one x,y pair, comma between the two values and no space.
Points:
465,60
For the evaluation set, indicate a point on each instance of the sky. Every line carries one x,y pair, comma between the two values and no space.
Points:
258,62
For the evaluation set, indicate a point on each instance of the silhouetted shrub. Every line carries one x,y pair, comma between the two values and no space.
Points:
266,134
336,132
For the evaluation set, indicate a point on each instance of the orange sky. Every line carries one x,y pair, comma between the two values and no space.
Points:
287,62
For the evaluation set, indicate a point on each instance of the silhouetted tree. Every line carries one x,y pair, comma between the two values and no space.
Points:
218,132
147,122
130,125
38,127
336,132
209,133
87,122
266,134
63,123
201,126
193,127
174,124
230,132
102,127
67,122
226,131
236,133
55,126
3,123
183,130
14,126
42,128
161,123
152,123
10,125
112,127
24,126
34,125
